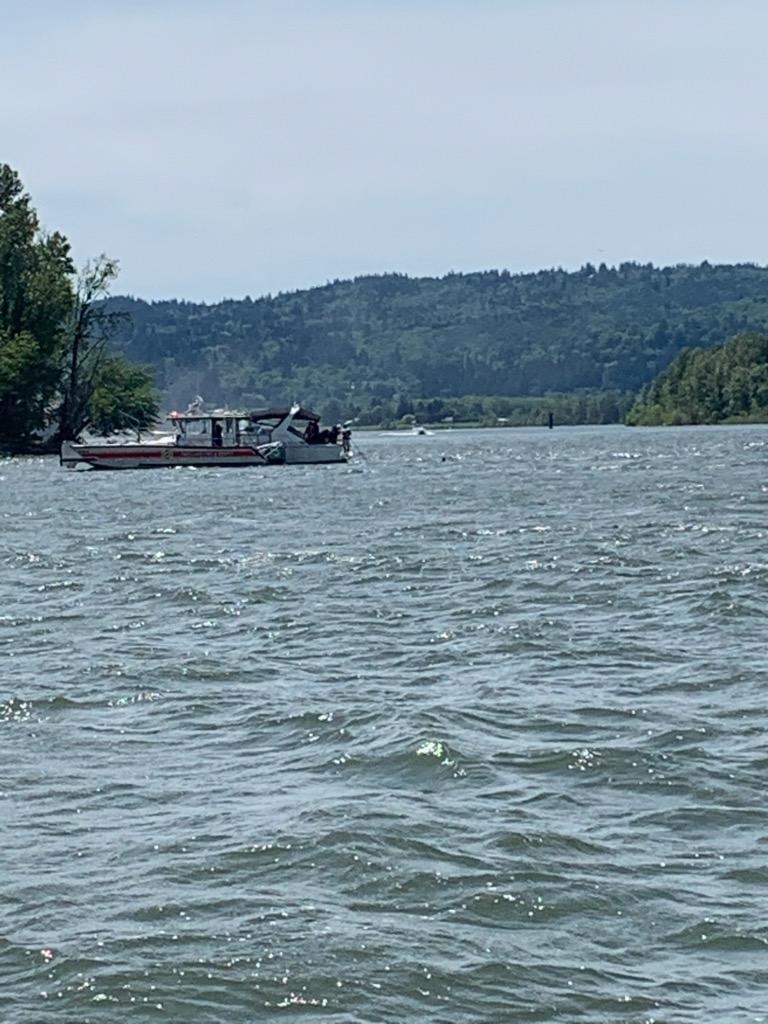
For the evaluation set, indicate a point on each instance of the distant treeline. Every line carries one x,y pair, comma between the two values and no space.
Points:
377,348
728,383
495,410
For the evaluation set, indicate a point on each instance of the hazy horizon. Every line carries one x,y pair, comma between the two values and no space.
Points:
257,148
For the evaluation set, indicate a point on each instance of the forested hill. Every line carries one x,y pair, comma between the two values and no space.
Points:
724,384
373,345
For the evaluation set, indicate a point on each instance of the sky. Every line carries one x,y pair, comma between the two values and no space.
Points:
231,148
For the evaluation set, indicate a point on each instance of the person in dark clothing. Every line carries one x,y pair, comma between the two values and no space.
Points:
216,434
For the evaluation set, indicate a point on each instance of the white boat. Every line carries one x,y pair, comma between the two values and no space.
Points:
220,438
299,433
200,440
413,432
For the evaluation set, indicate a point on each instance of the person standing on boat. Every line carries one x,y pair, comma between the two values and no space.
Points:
216,434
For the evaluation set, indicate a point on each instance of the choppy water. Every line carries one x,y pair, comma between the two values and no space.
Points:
472,731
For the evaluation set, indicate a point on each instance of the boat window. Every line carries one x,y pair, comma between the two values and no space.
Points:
230,431
260,431
198,433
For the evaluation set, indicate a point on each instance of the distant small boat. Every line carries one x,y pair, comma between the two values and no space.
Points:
414,432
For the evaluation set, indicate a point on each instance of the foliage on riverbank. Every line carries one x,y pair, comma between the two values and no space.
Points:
57,377
501,410
726,384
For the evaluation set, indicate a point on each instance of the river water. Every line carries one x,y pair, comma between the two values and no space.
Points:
473,730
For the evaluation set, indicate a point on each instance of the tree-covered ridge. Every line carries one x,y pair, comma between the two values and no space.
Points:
715,385
374,346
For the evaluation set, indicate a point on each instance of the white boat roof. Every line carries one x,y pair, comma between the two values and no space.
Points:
269,412
273,411
216,414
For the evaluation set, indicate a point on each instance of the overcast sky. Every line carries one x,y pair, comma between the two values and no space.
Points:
230,148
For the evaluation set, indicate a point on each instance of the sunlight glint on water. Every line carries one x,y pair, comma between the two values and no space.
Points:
472,730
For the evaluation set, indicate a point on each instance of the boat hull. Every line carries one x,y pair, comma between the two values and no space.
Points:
315,454
139,456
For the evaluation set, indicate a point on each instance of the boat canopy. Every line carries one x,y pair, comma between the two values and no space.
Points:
281,411
269,413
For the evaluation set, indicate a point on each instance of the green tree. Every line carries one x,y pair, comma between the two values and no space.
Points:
123,397
55,368
87,339
35,298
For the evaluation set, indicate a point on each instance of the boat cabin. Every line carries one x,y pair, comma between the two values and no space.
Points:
210,430
293,427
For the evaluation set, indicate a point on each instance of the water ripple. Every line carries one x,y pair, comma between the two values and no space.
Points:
471,732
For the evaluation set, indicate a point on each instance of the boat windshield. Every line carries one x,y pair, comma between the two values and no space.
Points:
282,420
208,431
